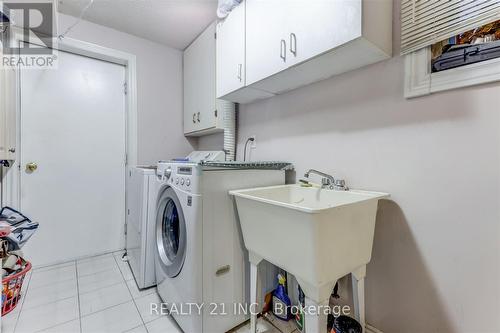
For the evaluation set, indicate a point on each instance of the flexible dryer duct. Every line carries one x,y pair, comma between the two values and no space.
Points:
228,110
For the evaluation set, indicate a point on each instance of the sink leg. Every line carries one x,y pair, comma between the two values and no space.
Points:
358,293
253,296
315,318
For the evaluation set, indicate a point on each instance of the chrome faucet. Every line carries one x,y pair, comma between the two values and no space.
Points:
327,181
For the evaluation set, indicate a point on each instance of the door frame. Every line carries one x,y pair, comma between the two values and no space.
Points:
12,178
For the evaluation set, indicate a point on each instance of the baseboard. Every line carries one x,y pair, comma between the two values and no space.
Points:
371,329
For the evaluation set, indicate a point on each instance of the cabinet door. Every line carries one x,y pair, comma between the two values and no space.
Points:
199,83
318,26
190,87
266,38
231,52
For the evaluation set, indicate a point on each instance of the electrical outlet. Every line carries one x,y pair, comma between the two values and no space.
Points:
253,145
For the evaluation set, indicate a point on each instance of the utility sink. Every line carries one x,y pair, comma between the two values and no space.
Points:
318,235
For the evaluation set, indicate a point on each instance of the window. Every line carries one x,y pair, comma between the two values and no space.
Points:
466,59
470,47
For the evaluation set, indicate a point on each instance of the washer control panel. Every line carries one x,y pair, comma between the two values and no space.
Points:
182,175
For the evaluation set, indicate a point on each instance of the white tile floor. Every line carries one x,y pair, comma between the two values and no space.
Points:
94,295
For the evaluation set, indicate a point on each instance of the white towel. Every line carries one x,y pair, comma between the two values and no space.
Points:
226,6
21,227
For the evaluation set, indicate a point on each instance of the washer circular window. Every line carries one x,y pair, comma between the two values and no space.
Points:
171,233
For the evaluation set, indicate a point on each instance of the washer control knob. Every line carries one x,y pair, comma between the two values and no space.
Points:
182,181
176,181
188,182
168,172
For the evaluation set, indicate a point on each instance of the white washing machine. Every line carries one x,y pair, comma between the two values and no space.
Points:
141,222
201,258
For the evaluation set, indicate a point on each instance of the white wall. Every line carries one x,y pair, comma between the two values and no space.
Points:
159,84
435,265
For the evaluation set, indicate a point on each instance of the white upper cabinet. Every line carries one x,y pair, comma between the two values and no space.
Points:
320,26
292,43
203,113
232,79
231,52
7,114
266,38
199,83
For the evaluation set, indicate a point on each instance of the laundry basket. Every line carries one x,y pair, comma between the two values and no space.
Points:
11,291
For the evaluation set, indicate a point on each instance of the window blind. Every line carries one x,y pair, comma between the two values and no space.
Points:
425,22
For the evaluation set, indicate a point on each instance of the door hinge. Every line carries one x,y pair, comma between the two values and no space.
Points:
125,88
215,35
215,112
126,159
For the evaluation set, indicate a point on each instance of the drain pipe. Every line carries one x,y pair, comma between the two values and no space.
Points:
229,123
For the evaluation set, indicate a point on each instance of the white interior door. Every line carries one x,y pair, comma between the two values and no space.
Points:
73,129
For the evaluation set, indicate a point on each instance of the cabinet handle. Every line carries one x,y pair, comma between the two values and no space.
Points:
194,118
293,44
12,150
283,50
240,67
198,117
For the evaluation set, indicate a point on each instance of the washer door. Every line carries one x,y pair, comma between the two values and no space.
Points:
170,233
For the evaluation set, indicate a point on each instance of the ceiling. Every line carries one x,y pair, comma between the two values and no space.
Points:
174,23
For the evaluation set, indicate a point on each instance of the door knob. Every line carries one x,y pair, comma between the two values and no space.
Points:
31,167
